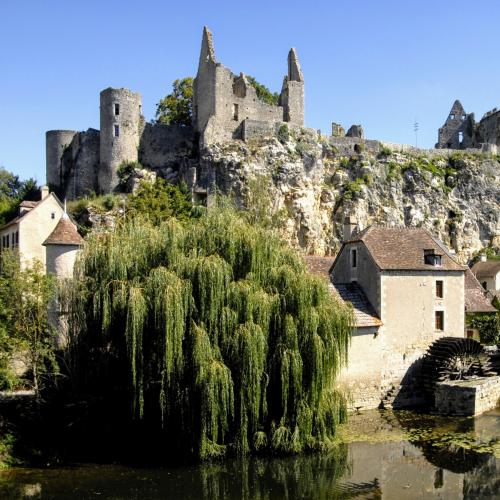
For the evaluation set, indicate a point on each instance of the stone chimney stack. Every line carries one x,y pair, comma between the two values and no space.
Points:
44,192
350,225
483,257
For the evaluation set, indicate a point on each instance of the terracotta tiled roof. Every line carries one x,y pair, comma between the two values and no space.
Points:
320,266
486,269
476,299
401,248
65,233
364,313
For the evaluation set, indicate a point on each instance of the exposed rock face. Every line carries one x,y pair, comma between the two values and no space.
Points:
312,187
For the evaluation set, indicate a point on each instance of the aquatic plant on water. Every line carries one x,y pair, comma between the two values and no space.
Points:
220,336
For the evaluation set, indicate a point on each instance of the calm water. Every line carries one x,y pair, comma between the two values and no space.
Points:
384,455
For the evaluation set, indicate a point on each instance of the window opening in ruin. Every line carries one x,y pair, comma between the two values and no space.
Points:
485,285
439,289
117,109
117,130
464,117
439,316
460,137
235,111
354,258
452,116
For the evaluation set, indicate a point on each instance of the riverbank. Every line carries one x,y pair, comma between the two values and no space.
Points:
394,454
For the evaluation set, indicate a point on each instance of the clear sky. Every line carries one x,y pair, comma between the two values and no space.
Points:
383,64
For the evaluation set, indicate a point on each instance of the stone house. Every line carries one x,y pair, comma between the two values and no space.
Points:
407,290
35,222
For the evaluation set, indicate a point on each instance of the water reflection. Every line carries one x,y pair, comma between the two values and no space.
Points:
388,455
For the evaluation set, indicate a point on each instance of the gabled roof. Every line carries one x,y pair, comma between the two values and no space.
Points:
32,205
402,248
486,269
476,298
64,233
319,266
364,313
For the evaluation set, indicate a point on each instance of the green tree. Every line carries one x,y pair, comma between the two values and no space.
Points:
160,201
263,93
25,295
214,332
177,107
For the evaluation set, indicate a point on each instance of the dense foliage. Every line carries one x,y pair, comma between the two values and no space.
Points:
488,325
177,107
220,336
25,298
263,93
12,192
159,201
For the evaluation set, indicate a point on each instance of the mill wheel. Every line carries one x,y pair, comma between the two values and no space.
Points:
453,358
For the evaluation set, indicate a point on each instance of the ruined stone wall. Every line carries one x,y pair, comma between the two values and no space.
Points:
56,141
488,129
163,147
120,133
80,166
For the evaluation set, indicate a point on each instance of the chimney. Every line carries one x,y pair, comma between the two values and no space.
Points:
44,192
350,225
483,257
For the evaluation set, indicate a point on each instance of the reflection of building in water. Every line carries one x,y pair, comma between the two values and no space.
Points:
402,471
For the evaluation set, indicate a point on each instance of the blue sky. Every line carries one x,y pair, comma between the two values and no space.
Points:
379,63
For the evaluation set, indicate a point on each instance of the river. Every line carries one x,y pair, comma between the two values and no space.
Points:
395,455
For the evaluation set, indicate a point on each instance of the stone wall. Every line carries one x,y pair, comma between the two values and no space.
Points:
488,129
467,397
80,166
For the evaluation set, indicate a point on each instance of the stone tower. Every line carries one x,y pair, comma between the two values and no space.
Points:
56,141
292,93
458,129
120,134
62,247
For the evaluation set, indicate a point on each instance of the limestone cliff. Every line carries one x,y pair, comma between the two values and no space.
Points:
313,184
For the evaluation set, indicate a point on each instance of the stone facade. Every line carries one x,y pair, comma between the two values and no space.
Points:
467,397
460,131
223,101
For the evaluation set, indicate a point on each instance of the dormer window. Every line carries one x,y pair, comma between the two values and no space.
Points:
432,258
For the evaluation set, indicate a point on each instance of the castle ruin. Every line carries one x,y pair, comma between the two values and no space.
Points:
460,131
225,107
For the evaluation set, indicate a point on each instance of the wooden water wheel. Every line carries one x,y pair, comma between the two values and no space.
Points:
454,358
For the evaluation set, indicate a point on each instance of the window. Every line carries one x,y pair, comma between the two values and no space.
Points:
117,130
354,258
16,238
117,109
235,111
485,285
452,116
463,117
439,289
460,137
470,334
431,258
439,316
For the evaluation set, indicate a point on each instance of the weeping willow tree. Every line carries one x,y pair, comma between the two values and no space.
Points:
218,335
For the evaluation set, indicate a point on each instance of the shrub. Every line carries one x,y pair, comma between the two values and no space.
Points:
283,133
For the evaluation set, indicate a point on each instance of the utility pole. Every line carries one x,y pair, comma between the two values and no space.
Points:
415,129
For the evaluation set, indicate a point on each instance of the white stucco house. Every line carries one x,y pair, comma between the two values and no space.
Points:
35,222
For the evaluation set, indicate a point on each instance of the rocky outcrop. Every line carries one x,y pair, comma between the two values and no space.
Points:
312,187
